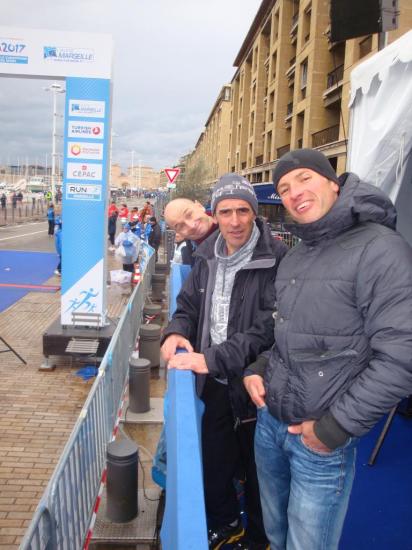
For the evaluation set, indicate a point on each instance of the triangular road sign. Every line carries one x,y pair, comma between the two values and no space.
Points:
172,174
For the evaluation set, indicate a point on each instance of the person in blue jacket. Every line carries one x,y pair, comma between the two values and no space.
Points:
50,219
58,244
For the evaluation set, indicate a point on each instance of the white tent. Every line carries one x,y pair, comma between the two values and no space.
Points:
380,137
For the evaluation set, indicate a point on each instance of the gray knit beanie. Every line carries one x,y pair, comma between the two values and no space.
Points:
304,158
233,186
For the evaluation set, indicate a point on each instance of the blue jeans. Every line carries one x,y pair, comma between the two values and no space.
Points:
304,493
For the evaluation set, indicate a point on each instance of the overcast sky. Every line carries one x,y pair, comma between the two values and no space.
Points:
171,58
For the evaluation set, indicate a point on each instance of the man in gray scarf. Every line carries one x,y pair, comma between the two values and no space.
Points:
224,316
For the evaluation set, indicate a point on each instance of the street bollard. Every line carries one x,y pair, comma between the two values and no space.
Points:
139,384
152,313
150,343
121,484
158,285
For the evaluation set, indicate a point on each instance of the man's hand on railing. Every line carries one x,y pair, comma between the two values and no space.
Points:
255,388
189,361
171,344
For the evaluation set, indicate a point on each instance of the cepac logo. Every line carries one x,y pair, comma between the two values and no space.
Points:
85,129
90,150
83,108
84,171
68,55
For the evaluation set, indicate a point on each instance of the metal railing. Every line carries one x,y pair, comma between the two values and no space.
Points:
63,515
335,76
328,135
21,212
282,150
289,239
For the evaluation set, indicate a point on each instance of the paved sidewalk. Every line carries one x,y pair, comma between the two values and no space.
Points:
38,409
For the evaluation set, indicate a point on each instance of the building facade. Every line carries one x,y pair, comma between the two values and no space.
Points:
290,90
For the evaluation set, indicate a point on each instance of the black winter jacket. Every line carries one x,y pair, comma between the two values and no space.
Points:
155,236
343,352
250,323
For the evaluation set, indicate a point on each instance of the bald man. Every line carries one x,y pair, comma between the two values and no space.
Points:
189,218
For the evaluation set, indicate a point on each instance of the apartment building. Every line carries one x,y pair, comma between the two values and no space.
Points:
213,144
290,89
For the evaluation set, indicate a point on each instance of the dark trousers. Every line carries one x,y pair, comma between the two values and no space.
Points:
228,454
51,227
128,267
111,237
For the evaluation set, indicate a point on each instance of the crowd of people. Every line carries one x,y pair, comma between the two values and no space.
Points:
135,226
297,353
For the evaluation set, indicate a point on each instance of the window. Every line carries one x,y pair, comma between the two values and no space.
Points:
303,78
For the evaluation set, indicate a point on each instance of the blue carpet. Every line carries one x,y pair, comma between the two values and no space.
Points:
380,509
18,267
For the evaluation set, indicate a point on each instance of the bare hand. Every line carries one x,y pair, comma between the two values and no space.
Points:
173,342
189,361
255,388
308,436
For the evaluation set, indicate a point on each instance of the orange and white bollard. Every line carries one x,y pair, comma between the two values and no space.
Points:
136,275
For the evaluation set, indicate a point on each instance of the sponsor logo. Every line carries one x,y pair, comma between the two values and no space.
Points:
12,50
68,55
80,191
83,171
93,151
82,108
85,129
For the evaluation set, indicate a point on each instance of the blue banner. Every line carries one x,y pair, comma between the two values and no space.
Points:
85,196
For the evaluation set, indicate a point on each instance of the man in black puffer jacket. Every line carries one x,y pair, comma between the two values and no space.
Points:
342,353
225,314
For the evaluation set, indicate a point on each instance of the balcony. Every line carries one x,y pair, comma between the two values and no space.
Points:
291,70
335,77
288,117
334,82
294,24
328,135
282,150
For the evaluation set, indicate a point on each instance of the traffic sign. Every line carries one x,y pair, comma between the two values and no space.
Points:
172,174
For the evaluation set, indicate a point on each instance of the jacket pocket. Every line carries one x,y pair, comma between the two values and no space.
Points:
318,378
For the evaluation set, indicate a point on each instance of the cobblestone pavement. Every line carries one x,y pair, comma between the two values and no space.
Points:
38,409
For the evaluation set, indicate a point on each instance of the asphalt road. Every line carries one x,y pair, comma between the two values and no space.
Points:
31,236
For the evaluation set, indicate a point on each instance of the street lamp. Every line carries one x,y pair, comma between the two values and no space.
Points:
55,88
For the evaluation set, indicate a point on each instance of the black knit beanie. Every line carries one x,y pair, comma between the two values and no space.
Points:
233,186
304,158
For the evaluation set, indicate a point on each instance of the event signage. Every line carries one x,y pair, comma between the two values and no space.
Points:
84,61
54,54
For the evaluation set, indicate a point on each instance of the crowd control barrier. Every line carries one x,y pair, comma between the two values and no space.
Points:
62,518
184,522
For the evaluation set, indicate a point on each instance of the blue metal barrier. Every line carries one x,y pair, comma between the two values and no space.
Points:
178,275
184,523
